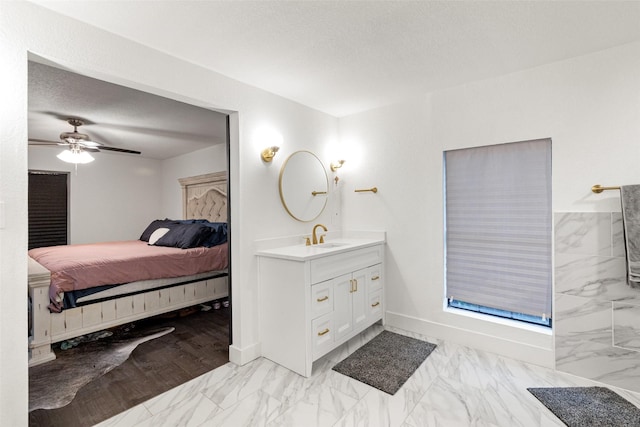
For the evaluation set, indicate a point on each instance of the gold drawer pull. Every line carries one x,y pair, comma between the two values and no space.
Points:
376,304
324,298
375,277
326,331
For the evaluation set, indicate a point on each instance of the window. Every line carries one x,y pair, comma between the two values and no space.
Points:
48,208
498,230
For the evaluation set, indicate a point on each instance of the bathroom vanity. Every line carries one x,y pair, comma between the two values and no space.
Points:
315,298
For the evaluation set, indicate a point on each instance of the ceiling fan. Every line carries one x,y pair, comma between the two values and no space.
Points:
79,144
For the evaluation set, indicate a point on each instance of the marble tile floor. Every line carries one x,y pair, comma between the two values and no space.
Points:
455,386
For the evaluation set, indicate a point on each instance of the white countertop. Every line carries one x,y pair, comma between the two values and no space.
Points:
332,246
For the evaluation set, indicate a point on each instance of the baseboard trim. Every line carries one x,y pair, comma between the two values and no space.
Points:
242,356
516,350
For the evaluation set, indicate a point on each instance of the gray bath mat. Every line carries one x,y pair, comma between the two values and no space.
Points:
588,406
54,384
386,362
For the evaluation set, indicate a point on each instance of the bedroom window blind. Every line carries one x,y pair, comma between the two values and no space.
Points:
498,229
48,208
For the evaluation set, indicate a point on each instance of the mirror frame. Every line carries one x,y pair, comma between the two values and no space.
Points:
288,208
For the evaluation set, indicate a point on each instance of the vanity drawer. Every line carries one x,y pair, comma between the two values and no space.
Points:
321,299
375,305
331,266
375,278
322,334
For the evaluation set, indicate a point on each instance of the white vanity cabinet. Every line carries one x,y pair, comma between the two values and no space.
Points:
315,302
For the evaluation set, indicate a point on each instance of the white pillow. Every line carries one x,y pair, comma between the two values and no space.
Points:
156,235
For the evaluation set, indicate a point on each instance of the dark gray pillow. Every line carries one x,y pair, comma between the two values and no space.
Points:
185,236
155,224
219,235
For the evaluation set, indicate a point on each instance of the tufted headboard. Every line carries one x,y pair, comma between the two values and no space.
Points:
205,196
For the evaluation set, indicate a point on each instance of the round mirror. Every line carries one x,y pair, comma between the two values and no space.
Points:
303,186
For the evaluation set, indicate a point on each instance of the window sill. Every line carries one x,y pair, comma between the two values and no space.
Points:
544,330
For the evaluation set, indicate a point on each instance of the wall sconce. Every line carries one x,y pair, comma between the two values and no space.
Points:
336,165
268,153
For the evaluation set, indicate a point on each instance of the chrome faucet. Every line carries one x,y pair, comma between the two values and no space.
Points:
315,237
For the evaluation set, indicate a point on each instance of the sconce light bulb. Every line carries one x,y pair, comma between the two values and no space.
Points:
336,165
268,153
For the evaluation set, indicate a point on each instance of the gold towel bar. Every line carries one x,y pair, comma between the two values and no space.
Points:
599,188
372,189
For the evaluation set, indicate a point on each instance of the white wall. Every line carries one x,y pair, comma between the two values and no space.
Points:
117,196
113,198
102,211
207,160
589,106
255,204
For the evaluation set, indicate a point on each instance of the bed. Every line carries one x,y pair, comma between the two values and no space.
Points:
203,197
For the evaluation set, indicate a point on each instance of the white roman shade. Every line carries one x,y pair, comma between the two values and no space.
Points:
498,226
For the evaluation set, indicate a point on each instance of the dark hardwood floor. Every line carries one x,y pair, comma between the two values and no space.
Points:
199,344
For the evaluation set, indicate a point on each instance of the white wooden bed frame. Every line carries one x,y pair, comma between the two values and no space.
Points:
203,196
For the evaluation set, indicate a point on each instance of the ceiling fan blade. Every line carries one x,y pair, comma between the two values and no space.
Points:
119,150
37,141
90,144
80,141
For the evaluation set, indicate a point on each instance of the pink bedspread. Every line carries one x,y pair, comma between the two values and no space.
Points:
75,267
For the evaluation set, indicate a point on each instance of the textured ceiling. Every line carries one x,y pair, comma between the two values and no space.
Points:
343,57
117,116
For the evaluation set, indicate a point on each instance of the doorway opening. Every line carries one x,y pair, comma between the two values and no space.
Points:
117,195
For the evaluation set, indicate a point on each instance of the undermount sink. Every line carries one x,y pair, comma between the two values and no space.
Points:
328,245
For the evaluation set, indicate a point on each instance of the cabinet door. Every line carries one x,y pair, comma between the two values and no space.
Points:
342,313
359,298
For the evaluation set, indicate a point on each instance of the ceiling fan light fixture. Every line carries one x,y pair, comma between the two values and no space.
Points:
75,156
74,136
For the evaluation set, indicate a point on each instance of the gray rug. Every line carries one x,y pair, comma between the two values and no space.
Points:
588,406
54,384
386,362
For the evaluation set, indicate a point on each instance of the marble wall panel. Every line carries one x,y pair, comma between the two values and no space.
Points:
617,236
626,326
581,322
599,277
583,233
611,365
596,314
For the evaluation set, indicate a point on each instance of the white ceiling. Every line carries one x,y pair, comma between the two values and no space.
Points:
117,116
342,57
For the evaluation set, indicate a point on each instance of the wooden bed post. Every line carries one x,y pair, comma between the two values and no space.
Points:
40,333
